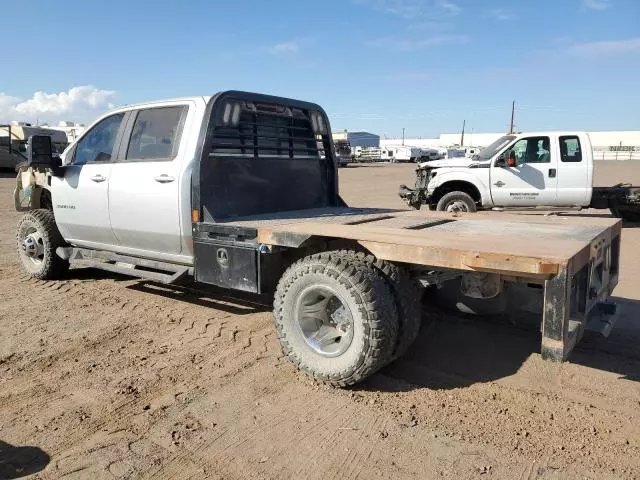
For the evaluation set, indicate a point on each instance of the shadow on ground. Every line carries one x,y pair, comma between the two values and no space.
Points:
18,462
453,351
236,303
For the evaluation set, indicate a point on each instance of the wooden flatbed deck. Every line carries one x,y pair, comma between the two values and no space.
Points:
574,257
516,244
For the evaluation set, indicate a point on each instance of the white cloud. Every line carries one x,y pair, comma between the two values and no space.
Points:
605,47
449,7
78,103
285,48
500,14
596,4
409,44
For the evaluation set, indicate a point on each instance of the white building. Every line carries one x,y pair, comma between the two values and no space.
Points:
621,145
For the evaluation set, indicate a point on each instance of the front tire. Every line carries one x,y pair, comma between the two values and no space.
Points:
335,318
37,239
456,202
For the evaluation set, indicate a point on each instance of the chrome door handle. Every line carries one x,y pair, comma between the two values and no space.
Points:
164,178
98,178
499,184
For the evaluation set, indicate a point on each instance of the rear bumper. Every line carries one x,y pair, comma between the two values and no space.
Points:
577,299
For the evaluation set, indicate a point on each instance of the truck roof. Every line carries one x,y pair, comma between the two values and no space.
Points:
549,132
131,106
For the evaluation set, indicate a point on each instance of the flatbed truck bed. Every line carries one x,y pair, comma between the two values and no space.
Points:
559,252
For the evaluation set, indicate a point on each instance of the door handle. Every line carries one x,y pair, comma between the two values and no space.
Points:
164,178
499,184
552,173
98,178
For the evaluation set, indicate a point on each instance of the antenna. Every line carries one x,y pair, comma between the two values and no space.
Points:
464,122
513,109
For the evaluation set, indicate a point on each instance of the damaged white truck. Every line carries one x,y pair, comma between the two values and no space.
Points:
549,169
240,191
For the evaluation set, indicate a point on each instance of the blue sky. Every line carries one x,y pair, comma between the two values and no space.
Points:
376,65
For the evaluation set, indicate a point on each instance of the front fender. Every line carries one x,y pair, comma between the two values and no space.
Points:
462,176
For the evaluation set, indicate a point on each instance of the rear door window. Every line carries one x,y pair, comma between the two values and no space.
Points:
532,150
570,150
156,134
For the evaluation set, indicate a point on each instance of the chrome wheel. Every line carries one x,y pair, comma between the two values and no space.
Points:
457,206
33,246
325,321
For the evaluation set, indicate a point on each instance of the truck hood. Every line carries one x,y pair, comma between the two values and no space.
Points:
453,162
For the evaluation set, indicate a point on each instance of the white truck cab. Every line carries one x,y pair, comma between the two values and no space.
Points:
552,169
127,167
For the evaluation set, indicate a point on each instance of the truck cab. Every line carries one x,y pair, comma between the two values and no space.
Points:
519,170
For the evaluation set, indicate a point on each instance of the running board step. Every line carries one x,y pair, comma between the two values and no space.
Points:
155,271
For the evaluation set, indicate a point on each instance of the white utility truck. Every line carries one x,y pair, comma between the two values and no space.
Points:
549,169
240,191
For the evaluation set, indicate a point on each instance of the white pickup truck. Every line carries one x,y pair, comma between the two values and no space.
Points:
240,191
548,169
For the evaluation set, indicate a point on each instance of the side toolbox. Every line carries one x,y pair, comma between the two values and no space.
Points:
226,256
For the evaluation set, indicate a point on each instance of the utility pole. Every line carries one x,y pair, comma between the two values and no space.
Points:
403,136
513,109
464,123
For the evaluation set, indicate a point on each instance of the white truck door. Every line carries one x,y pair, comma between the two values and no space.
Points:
144,190
574,179
534,178
80,197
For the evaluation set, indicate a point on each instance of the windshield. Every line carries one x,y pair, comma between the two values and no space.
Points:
488,152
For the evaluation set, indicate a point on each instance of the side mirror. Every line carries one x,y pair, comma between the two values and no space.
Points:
501,161
511,161
40,154
39,150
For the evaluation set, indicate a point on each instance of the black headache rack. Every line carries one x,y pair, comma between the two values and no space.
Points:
260,155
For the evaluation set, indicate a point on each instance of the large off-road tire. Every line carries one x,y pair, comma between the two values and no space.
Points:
336,318
456,202
37,239
407,296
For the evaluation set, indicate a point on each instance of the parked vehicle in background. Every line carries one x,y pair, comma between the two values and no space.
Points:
402,153
13,142
547,169
367,154
240,191
343,152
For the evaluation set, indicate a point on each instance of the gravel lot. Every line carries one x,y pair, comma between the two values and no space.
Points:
107,377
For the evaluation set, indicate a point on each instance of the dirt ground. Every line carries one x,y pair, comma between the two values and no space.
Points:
106,377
